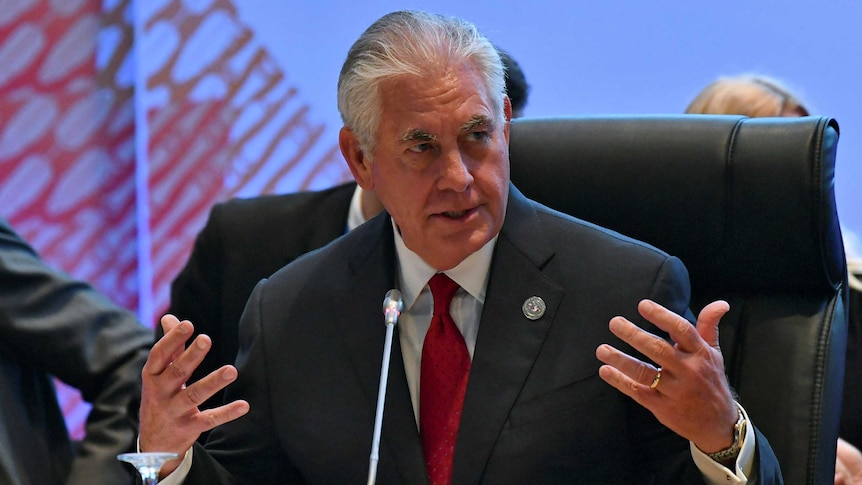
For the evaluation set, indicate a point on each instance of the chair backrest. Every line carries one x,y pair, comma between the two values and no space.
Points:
749,207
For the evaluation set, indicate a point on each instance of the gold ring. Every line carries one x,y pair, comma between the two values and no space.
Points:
656,379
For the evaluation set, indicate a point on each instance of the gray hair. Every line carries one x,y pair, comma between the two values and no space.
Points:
409,42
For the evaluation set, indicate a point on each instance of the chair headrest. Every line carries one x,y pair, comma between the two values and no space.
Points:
747,204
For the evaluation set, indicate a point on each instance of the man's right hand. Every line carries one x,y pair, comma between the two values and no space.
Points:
170,418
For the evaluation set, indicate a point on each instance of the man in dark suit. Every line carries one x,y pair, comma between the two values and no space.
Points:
246,240
52,325
426,129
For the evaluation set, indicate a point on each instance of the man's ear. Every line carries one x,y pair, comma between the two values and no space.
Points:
359,164
507,111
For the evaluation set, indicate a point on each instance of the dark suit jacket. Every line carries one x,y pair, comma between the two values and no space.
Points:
50,325
535,410
244,241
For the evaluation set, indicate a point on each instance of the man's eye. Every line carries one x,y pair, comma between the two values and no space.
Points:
420,148
480,135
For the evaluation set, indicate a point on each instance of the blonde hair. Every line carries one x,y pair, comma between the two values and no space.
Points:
750,95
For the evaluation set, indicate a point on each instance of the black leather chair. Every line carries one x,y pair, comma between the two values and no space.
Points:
749,207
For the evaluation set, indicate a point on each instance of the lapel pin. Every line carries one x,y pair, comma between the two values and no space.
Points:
534,307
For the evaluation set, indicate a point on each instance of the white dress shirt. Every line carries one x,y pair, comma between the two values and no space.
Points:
466,308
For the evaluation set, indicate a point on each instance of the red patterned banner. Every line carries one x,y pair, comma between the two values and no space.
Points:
222,120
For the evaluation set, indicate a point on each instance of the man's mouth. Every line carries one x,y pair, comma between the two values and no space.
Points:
455,214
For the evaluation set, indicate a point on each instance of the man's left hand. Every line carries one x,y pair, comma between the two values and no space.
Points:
691,396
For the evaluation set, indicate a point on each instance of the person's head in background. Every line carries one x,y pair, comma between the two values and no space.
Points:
516,83
751,95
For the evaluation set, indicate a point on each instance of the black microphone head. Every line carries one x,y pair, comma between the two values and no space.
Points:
392,305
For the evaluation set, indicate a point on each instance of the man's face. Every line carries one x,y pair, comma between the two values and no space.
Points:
440,165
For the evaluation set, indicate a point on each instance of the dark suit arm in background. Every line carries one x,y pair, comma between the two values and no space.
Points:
244,241
59,326
196,296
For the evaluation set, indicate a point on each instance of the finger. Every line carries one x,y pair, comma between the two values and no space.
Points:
171,344
840,477
180,369
640,393
638,371
655,348
195,394
708,320
168,322
678,328
211,418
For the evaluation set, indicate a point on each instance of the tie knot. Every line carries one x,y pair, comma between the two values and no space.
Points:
442,289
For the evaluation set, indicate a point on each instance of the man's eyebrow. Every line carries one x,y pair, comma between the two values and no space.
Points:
477,121
417,134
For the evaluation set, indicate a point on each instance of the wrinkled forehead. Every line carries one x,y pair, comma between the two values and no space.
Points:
416,109
442,88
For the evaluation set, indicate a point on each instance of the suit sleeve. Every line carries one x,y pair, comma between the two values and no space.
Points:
63,327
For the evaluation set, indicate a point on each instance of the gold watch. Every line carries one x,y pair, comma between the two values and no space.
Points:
732,452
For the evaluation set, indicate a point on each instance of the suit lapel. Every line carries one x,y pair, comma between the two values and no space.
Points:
508,342
364,334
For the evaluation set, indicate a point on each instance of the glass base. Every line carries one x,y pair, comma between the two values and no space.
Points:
148,464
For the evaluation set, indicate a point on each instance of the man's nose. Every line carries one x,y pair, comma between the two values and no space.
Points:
456,172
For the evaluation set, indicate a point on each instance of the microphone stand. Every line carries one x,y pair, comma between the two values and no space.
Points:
392,305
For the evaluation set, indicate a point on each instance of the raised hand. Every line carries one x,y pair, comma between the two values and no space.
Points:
170,418
691,395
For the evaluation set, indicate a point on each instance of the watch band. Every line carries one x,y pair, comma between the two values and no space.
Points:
732,452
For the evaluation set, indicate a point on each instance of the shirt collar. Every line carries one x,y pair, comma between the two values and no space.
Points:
355,216
414,273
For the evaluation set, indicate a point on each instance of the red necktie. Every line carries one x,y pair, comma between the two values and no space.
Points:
443,382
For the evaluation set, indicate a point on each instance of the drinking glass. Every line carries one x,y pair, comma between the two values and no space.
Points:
147,464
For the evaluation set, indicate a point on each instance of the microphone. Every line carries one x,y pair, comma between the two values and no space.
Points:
392,305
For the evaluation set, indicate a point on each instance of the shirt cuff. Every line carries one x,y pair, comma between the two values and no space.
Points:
179,475
715,473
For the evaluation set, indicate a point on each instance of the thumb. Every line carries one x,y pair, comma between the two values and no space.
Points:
708,319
